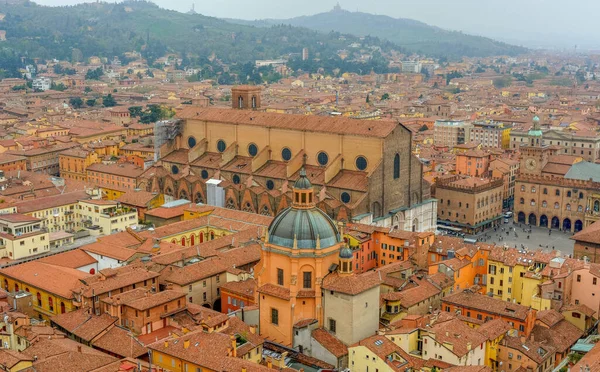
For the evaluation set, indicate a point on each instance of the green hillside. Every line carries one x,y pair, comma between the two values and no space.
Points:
412,35
108,30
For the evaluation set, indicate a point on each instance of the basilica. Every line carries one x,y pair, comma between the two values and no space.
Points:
362,171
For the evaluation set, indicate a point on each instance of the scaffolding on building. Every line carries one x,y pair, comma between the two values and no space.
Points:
165,131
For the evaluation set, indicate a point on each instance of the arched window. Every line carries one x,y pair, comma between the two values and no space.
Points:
580,195
183,241
522,188
253,101
521,201
212,235
596,206
532,202
545,191
397,166
39,299
544,204
556,205
16,287
568,194
62,308
50,303
532,188
580,208
568,207
557,192
240,102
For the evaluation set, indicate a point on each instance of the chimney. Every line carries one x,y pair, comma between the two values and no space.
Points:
79,348
166,344
186,344
269,363
252,329
469,346
532,337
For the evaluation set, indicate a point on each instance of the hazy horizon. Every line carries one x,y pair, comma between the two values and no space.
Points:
533,23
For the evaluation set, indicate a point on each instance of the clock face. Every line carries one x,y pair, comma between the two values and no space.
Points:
530,163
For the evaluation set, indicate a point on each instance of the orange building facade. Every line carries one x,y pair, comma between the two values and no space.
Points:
300,247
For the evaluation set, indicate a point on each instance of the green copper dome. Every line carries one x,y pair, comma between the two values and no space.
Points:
306,225
536,131
303,183
346,253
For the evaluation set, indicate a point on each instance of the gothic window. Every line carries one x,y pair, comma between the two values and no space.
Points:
397,166
240,102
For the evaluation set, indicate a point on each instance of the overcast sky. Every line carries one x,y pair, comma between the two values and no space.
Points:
563,22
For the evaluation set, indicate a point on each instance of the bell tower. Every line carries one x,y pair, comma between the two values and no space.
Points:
245,97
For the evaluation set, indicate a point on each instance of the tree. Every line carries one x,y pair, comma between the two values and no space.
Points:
91,102
502,82
94,74
60,87
76,102
385,96
108,101
135,111
140,76
87,89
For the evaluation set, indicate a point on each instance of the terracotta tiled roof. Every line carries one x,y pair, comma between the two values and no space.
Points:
244,287
351,284
472,300
275,291
53,279
74,259
560,336
549,317
330,342
138,198
119,341
151,300
590,234
458,334
123,169
494,328
312,123
10,358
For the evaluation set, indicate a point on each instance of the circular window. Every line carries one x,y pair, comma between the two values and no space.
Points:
204,174
286,154
174,169
361,163
345,197
252,149
191,141
270,184
236,179
221,145
323,158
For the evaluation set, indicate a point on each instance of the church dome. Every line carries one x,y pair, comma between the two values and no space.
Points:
306,225
303,183
346,253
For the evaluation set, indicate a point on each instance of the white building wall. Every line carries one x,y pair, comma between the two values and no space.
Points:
103,261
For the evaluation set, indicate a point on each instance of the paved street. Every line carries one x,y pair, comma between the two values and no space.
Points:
538,238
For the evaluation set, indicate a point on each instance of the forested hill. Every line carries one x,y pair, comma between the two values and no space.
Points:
108,29
412,35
